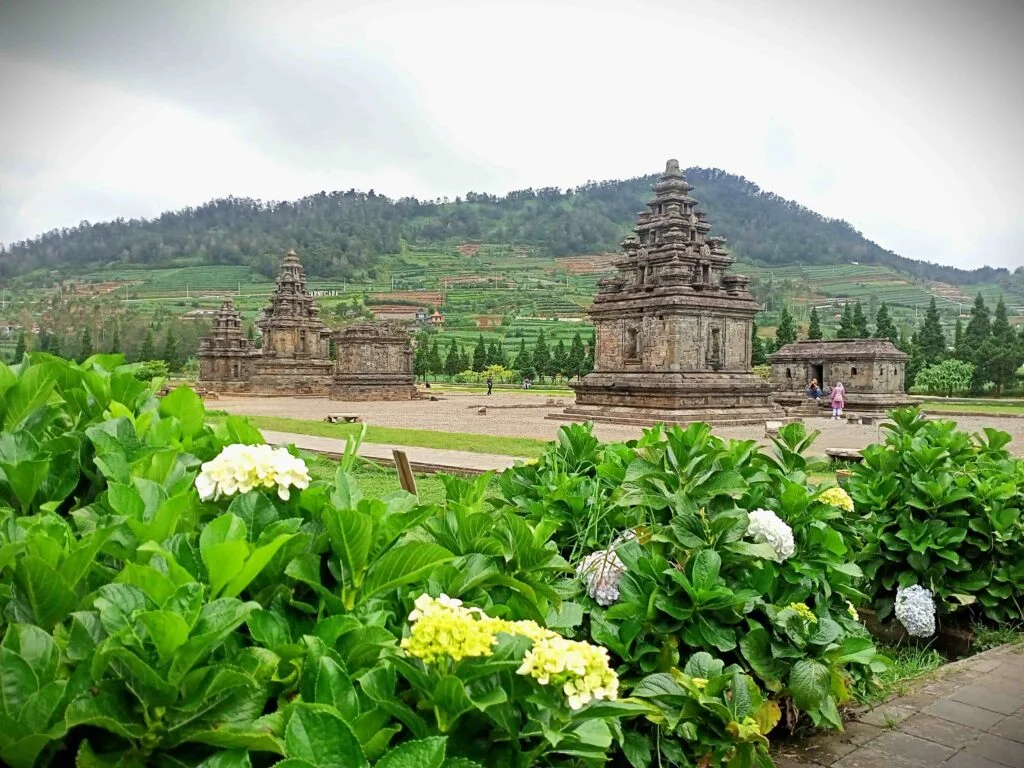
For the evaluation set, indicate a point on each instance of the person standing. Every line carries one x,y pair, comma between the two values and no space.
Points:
490,384
838,400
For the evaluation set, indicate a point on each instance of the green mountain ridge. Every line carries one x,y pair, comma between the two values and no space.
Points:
344,234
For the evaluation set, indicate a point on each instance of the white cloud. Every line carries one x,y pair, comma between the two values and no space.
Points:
896,119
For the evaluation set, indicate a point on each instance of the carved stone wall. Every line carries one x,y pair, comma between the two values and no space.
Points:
374,362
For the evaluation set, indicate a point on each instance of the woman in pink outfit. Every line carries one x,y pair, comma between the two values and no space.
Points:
838,400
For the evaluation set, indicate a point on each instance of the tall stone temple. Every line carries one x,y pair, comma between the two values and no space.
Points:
225,356
374,360
672,328
296,354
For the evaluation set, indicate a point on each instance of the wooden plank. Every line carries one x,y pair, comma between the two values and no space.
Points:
405,476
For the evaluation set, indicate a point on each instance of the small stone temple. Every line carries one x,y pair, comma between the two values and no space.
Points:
296,354
225,356
374,360
672,328
872,372
374,363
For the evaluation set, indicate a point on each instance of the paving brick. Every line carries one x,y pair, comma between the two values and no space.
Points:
964,760
911,747
791,761
983,696
1010,728
867,757
825,749
887,715
963,714
986,664
860,733
940,731
998,750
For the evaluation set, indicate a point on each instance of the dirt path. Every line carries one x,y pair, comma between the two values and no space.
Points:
524,416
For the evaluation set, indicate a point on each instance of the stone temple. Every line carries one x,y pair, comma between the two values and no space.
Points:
672,328
873,372
374,361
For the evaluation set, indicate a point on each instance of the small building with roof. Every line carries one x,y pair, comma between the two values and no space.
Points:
873,372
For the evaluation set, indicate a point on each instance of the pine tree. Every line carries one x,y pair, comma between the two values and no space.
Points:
559,359
502,358
786,331
20,348
758,356
860,323
56,346
931,337
453,360
480,355
814,325
45,339
421,359
978,329
434,363
1001,352
576,358
884,328
541,356
171,355
847,330
493,355
146,351
115,342
85,345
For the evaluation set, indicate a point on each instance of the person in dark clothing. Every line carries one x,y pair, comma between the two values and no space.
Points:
490,384
813,390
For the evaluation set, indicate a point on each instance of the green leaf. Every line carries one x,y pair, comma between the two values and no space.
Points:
323,739
185,405
167,630
34,646
45,591
224,549
402,565
216,622
756,646
242,431
706,566
426,753
255,563
703,664
809,683
25,477
351,535
17,683
107,706
235,758
334,687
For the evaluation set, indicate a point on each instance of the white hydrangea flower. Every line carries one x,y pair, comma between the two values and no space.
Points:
915,610
767,528
602,571
240,468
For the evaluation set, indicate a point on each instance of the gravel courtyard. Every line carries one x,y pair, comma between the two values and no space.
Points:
524,416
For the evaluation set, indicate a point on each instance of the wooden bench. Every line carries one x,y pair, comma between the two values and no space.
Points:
844,454
348,418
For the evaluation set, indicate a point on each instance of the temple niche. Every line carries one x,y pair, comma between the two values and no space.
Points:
374,363
225,356
672,328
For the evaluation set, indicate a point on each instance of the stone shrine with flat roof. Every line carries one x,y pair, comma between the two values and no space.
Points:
225,355
672,328
374,363
873,373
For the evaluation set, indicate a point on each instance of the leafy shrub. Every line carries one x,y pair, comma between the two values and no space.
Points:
143,626
149,370
950,377
942,509
693,580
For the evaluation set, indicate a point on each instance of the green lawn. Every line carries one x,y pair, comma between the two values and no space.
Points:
940,406
420,438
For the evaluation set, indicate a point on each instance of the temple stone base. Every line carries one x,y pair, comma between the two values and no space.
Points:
227,387
368,387
859,403
298,376
645,399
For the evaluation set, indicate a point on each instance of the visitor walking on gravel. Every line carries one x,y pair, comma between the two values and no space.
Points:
838,399
490,384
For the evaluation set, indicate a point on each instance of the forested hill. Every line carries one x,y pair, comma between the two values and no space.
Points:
340,234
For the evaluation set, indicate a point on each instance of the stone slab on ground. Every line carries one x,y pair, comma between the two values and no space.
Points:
420,459
969,714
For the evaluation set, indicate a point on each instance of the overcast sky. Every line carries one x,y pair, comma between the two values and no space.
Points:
904,118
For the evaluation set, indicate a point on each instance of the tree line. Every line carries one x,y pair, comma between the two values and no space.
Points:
535,363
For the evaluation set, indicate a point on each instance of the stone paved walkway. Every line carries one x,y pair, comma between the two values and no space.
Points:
421,459
969,714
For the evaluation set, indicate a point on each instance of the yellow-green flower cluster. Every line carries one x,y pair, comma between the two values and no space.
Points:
581,669
852,611
837,497
804,612
700,682
443,627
